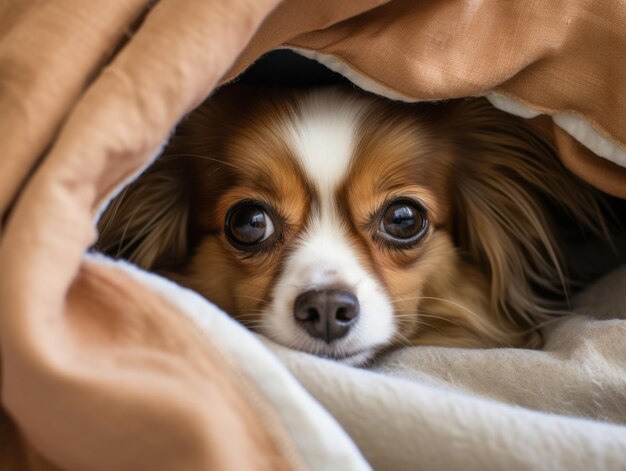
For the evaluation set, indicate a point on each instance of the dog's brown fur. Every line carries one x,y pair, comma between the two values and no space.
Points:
483,175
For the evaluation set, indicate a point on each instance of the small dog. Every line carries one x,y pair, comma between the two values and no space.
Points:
338,223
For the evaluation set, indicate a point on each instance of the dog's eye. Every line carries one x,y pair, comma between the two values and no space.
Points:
403,223
248,224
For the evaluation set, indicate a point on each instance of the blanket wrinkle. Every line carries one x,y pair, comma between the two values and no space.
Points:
530,54
35,48
56,233
577,384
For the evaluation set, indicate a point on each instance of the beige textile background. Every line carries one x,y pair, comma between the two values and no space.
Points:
558,56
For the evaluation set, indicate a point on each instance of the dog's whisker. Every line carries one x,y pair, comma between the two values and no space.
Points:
248,315
433,298
254,285
204,157
445,319
245,296
255,326
402,339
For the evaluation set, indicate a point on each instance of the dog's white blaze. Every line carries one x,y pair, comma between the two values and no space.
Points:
323,138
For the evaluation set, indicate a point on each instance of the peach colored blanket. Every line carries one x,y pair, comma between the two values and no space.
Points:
105,367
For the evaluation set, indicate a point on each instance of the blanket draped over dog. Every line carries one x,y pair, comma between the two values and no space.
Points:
106,367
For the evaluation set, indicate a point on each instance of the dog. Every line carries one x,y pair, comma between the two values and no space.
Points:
342,224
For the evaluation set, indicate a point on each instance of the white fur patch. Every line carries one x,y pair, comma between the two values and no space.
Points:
324,134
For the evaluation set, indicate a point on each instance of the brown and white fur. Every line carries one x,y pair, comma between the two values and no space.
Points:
324,164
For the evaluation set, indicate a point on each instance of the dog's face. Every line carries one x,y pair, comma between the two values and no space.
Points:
331,215
333,223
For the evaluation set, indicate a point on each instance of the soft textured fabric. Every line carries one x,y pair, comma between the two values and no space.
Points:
448,408
101,370
564,59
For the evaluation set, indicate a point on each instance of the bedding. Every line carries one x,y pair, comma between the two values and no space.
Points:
107,367
446,408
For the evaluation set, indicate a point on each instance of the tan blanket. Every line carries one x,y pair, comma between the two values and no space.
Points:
101,372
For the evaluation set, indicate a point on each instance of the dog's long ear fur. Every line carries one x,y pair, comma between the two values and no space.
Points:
147,223
506,173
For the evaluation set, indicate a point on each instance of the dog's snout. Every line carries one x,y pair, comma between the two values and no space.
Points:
326,314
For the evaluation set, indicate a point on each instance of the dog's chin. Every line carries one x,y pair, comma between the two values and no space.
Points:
359,357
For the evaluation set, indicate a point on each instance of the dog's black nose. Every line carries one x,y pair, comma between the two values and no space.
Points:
326,314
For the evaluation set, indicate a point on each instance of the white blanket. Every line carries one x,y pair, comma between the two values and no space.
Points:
447,408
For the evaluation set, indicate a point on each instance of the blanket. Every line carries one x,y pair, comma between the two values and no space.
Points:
446,408
107,367
563,407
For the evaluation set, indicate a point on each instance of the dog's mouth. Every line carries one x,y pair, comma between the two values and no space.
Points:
357,358
360,357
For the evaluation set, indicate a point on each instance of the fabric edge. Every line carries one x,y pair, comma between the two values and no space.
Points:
576,126
320,440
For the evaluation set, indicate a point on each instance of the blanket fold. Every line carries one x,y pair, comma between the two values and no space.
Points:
449,408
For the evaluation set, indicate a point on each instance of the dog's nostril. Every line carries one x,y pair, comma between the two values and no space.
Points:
348,310
312,314
327,314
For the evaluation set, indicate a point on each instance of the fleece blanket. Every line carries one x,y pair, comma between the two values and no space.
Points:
444,408
107,367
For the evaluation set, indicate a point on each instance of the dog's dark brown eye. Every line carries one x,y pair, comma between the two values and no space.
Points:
248,224
403,223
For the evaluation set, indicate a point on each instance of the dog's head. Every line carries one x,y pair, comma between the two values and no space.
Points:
338,223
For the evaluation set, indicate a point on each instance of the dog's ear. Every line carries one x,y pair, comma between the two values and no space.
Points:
506,174
147,222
